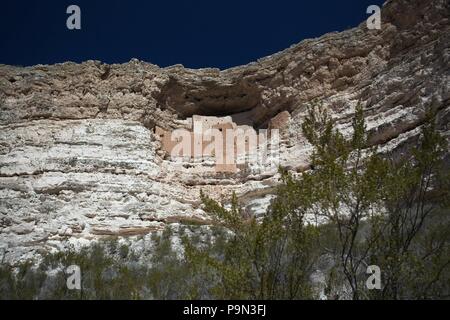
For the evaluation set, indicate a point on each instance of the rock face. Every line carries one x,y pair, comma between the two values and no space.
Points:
79,157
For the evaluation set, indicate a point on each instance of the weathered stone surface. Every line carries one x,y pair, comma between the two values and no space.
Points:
79,158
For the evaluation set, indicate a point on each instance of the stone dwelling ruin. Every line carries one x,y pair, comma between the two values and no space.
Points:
203,134
238,142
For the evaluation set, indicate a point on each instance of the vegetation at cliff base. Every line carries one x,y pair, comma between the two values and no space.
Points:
356,207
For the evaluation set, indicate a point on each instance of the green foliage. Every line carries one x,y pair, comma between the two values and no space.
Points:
411,241
267,258
108,271
381,206
356,207
371,208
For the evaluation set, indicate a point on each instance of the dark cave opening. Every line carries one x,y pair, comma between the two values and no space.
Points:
239,100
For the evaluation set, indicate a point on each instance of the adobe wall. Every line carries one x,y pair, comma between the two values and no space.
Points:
200,124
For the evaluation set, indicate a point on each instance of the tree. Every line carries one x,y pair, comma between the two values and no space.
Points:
381,205
413,241
369,208
267,258
346,181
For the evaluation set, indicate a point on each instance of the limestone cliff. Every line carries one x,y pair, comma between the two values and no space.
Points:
79,158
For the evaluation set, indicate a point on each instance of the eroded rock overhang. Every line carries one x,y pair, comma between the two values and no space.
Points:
78,159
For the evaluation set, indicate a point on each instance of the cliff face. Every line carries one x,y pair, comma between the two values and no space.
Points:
79,158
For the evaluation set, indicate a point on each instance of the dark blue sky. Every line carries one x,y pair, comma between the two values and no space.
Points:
196,33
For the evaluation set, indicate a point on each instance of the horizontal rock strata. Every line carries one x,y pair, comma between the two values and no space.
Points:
79,157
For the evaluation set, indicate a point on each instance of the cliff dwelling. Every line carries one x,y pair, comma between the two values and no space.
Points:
206,136
220,138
